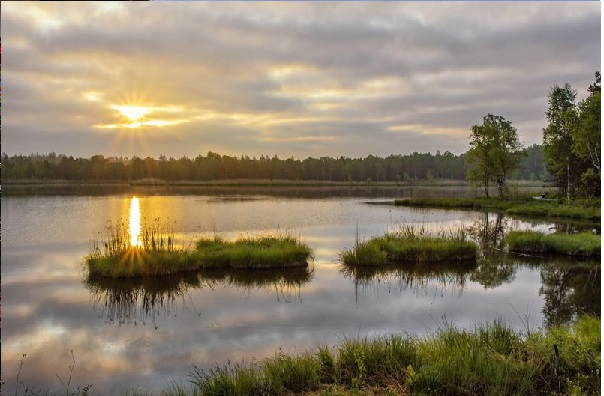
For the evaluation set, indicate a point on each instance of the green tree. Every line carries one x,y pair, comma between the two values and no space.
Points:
586,138
494,152
562,163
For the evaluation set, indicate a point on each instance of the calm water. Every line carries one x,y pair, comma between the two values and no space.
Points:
143,336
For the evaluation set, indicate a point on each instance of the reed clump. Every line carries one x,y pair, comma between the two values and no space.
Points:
411,246
538,243
488,360
115,257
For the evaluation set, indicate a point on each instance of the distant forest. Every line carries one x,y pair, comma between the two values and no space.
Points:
416,166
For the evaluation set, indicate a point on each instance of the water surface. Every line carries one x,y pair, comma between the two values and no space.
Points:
143,335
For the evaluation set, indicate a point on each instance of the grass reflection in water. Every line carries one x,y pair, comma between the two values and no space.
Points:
133,301
413,276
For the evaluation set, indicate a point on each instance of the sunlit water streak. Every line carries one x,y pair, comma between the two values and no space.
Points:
135,223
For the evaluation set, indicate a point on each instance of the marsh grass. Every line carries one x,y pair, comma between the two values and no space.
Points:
113,256
283,251
527,207
411,246
538,243
488,360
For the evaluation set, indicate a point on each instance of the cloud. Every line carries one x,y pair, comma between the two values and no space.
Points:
301,79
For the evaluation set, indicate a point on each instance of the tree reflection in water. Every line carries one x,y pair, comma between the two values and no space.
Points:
134,301
570,288
495,267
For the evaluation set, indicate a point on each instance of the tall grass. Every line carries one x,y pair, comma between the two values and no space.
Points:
488,360
538,243
248,252
113,256
410,246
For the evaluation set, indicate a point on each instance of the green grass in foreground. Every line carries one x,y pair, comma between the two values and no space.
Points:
489,360
527,207
410,246
532,242
246,253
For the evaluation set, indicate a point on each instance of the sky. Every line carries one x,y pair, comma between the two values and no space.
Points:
293,79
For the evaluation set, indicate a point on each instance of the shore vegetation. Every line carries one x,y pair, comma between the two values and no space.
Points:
582,210
490,359
538,243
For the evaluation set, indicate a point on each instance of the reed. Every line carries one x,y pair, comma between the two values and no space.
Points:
410,246
114,257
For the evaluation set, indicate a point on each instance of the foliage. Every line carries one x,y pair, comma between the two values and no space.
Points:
572,140
494,152
586,142
213,166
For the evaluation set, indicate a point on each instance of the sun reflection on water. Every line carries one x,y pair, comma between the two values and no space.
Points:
135,223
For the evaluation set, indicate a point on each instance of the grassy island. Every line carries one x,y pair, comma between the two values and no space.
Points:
120,260
538,243
488,360
409,246
528,207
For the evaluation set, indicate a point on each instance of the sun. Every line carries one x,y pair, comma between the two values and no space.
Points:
134,113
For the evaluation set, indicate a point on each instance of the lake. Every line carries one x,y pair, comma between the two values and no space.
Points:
144,336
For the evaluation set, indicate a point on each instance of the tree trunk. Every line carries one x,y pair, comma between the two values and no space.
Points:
568,179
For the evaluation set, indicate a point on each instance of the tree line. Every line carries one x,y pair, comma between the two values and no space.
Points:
213,166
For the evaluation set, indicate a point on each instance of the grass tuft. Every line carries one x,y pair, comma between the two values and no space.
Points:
157,256
410,246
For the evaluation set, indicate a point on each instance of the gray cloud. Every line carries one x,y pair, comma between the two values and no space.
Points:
317,78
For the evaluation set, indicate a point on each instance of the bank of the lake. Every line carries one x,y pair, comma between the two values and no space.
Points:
534,208
492,359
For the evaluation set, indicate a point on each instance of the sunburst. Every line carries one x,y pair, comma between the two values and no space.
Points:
133,113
